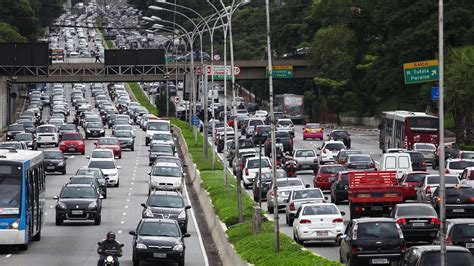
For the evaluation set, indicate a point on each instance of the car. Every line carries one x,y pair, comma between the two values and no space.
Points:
169,205
110,170
111,143
467,155
359,162
162,137
239,161
126,139
410,182
47,135
77,179
467,176
428,185
329,150
418,162
54,161
165,176
326,175
281,137
285,125
27,138
28,124
14,145
252,167
101,154
156,126
159,149
400,162
94,129
342,135
343,154
430,255
307,159
261,185
123,128
245,145
249,128
340,187
297,198
418,221
78,202
427,150
97,174
368,241
285,186
68,128
317,222
460,232
457,166
13,130
72,142
313,131
158,240
261,133
449,152
459,201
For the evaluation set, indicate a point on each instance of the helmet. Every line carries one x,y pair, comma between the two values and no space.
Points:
110,236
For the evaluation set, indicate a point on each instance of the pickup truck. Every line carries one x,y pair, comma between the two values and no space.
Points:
373,193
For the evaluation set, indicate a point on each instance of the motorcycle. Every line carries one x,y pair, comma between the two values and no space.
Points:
111,256
290,166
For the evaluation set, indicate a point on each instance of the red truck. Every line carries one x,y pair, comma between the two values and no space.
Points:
374,193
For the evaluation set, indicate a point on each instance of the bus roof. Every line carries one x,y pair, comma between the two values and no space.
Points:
21,156
401,115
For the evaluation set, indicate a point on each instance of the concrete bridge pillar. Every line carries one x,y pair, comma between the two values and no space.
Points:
4,112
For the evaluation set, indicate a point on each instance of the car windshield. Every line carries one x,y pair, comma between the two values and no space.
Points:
255,163
78,192
462,231
416,157
313,126
89,172
285,123
71,137
320,210
334,146
108,141
165,159
24,137
68,127
53,154
159,229
453,258
82,180
46,129
166,171
16,128
467,155
460,165
94,125
416,210
377,230
414,177
102,164
165,137
255,122
166,201
464,192
282,135
290,182
306,194
305,153
102,154
159,126
162,148
448,180
123,134
11,145
331,169
339,134
360,158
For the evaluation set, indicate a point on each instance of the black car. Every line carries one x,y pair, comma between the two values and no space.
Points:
431,255
243,144
359,162
29,126
449,153
261,133
27,138
341,135
369,241
339,187
78,202
54,161
220,141
459,201
460,233
126,139
70,128
418,221
418,162
87,179
167,205
13,130
157,150
158,240
266,184
281,137
342,155
94,129
96,173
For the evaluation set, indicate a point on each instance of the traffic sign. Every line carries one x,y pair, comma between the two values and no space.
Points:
282,72
195,120
434,93
177,99
199,70
423,71
219,71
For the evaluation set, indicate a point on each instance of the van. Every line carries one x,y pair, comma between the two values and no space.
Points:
156,126
399,162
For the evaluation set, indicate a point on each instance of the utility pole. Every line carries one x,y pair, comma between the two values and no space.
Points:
272,123
442,184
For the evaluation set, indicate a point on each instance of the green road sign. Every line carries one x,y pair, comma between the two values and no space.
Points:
282,72
424,71
168,59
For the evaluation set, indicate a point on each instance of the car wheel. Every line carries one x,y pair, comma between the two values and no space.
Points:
59,221
98,220
297,239
118,183
37,237
105,195
181,263
135,261
270,209
290,221
133,148
23,247
304,138
87,137
63,171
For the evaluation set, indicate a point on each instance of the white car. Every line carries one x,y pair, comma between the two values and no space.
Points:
165,176
252,167
318,222
101,154
156,126
261,115
110,170
47,135
457,166
163,137
329,151
286,125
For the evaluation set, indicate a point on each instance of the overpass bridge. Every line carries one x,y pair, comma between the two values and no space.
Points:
97,72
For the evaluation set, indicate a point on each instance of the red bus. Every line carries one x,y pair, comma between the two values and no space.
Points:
401,129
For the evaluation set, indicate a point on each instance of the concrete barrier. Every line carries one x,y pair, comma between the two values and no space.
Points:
227,253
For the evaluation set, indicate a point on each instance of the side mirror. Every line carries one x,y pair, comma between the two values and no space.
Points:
149,150
149,173
122,245
55,197
187,207
307,186
88,157
343,213
95,143
143,205
326,198
186,235
133,233
65,158
119,167
98,243
340,238
319,148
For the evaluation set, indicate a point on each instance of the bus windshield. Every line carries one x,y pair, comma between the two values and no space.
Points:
423,123
10,191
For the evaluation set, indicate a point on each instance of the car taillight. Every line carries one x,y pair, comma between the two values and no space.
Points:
435,221
471,199
305,221
270,167
354,250
291,141
241,166
324,151
449,241
292,207
350,165
401,221
337,220
267,142
446,171
315,161
247,171
342,161
428,190
423,163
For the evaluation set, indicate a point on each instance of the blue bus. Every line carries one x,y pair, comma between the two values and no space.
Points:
22,197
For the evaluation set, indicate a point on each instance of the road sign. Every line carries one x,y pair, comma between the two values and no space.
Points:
434,93
199,70
195,120
282,72
219,71
177,99
423,71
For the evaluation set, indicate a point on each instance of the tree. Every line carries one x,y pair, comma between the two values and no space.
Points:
20,14
10,34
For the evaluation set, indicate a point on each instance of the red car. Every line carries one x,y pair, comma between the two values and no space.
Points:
72,142
111,143
325,175
409,183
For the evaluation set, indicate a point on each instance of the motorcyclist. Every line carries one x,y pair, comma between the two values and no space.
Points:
109,244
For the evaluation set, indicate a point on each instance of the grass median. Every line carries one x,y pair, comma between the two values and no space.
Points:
142,98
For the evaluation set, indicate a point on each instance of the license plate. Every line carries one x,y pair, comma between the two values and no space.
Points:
469,245
71,149
159,255
377,208
305,166
321,233
418,224
77,212
50,167
379,261
458,210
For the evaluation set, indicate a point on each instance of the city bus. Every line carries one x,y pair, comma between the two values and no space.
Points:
401,129
291,105
22,197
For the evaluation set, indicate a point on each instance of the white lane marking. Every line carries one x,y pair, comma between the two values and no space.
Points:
124,213
130,189
129,194
122,222
133,183
201,244
126,206
128,200
8,256
119,231
52,206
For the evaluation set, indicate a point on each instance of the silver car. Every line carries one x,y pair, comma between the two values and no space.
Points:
299,197
285,186
427,149
429,184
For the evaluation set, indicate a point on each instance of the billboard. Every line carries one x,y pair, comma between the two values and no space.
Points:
24,54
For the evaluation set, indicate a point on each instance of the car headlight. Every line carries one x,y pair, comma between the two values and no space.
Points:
101,131
15,224
177,183
148,213
182,215
39,138
61,205
178,247
113,174
61,163
141,246
53,138
92,205
88,131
